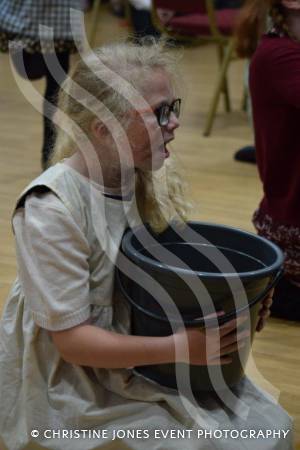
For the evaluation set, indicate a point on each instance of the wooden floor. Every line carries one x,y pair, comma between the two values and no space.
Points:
223,190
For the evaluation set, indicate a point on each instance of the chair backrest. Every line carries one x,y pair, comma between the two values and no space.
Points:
182,6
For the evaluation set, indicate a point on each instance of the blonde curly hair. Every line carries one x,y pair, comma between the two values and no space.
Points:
114,76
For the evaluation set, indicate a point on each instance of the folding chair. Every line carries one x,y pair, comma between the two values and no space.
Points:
94,22
196,22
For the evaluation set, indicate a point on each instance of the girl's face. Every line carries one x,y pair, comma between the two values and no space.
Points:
148,140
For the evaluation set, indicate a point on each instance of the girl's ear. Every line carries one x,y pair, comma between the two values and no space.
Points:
97,128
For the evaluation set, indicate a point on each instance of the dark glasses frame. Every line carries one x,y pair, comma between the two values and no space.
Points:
163,113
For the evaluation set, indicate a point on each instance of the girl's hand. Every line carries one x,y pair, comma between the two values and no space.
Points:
211,346
264,311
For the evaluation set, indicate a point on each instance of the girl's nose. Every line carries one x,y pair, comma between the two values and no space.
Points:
173,122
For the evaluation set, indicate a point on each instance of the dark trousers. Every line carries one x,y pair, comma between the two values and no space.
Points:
142,23
35,68
221,4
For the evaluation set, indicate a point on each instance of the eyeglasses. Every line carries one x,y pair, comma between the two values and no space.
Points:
163,113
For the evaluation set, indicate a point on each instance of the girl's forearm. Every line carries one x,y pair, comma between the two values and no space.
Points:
91,346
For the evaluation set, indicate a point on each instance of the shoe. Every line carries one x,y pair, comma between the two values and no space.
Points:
286,301
246,154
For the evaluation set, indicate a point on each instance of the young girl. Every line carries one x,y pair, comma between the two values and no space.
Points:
66,355
275,94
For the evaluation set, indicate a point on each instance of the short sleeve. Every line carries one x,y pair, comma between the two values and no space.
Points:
52,256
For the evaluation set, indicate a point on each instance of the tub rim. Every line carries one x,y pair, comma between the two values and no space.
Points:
144,261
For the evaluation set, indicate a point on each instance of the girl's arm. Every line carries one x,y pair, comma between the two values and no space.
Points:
88,345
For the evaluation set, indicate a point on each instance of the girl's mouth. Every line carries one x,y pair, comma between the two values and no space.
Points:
167,153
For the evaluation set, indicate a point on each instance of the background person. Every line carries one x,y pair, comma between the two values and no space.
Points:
19,24
140,15
275,95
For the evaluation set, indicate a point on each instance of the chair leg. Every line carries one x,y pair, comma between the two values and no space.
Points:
225,88
220,83
94,22
245,99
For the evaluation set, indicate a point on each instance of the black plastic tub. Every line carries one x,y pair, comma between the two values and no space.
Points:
204,268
